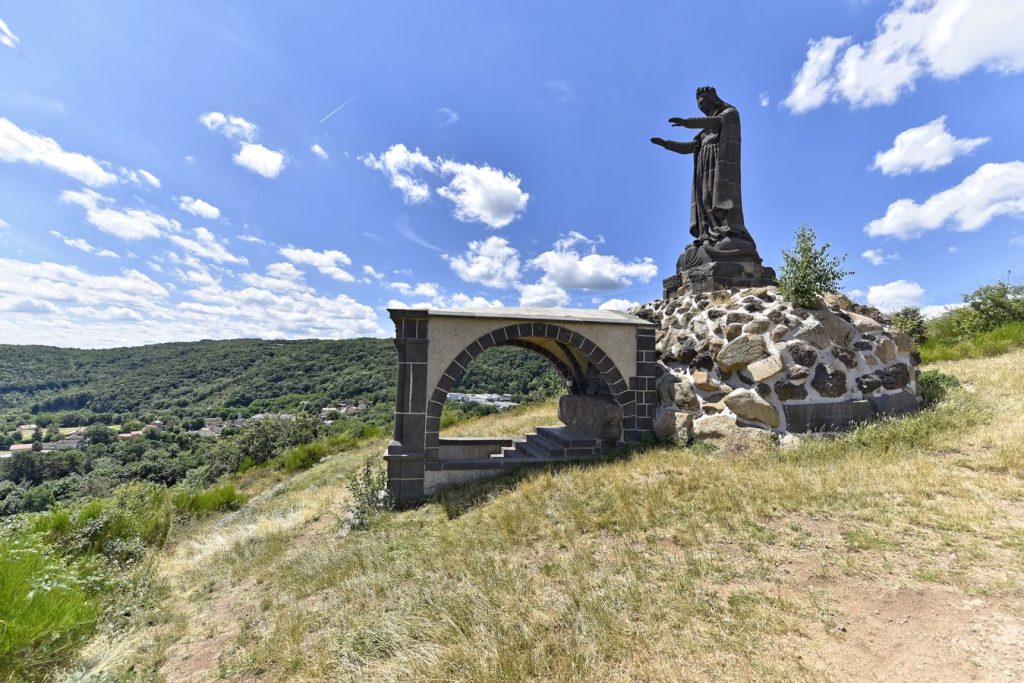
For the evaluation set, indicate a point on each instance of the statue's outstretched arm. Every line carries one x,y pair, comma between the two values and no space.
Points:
711,122
678,147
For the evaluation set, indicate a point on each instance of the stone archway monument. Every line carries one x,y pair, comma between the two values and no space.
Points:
606,358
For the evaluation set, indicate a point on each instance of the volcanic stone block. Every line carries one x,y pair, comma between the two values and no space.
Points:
803,353
826,417
895,376
790,391
815,334
845,356
765,368
598,417
868,383
829,382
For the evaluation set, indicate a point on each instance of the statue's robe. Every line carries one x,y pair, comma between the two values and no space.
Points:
716,207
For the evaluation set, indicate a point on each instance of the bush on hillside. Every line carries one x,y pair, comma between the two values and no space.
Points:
809,272
217,498
910,321
934,386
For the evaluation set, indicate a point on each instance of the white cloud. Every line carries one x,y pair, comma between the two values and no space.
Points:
992,190
480,193
7,37
895,295
543,294
251,238
573,238
20,145
83,245
812,85
763,99
149,177
593,271
207,246
935,310
877,257
427,289
855,294
373,272
259,159
953,250
234,127
943,39
622,305
457,300
319,151
4,224
924,148
132,224
483,194
70,307
491,262
280,277
198,207
399,164
327,262
445,116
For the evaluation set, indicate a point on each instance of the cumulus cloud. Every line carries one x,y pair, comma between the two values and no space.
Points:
593,271
543,294
82,245
327,262
924,148
373,272
259,159
198,207
400,164
234,127
622,305
942,39
491,262
319,151
480,194
427,289
458,300
7,37
279,277
877,257
71,307
138,177
895,295
993,190
483,194
935,310
25,146
206,245
132,224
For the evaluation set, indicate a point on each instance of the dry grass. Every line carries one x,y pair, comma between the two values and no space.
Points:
671,564
514,422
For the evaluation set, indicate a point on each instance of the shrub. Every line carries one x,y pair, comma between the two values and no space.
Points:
370,495
991,343
910,321
934,385
809,272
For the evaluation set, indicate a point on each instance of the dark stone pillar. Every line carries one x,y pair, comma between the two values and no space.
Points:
407,449
642,387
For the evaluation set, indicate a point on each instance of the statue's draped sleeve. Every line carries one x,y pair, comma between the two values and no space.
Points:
727,175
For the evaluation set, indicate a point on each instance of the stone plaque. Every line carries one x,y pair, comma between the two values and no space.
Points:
827,417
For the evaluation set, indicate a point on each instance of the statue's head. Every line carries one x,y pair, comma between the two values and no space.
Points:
708,100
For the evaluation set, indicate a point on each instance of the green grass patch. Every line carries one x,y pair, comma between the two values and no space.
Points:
992,343
217,498
45,610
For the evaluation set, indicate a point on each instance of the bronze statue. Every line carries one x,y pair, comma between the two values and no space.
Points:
716,205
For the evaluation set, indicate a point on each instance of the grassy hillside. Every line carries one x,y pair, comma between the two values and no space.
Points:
896,549
192,380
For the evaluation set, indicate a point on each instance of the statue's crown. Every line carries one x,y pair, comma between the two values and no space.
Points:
706,89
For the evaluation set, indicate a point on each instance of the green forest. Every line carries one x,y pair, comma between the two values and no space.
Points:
190,381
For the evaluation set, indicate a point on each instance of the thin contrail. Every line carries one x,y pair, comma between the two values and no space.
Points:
342,106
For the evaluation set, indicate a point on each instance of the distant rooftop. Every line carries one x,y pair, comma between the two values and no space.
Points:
583,315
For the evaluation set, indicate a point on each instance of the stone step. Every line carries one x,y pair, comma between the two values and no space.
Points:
567,438
545,445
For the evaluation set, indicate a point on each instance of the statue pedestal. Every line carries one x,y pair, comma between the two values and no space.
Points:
719,275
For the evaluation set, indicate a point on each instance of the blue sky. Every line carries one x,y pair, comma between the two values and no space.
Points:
187,170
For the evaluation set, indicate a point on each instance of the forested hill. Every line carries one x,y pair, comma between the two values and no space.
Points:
192,380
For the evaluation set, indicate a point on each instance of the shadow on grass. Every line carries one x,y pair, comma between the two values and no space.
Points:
460,499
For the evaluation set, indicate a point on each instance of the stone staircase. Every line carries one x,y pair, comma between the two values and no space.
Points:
550,444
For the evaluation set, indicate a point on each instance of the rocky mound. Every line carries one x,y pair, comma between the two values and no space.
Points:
747,358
